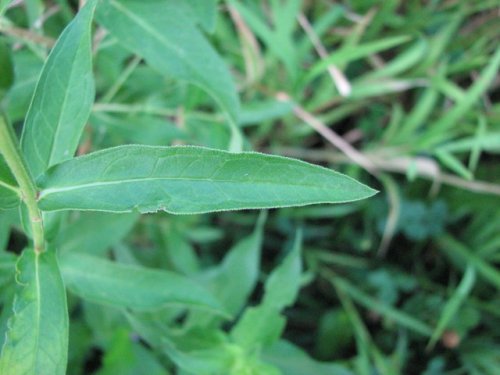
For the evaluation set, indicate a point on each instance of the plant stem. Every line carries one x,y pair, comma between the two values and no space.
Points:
9,147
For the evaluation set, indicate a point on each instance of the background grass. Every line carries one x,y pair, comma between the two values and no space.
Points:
402,95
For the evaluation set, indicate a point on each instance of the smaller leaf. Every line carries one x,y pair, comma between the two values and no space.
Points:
133,287
238,273
128,357
263,325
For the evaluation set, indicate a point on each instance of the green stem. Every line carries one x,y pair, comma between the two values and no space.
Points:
9,147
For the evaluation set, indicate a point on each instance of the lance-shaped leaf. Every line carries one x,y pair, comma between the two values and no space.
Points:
189,180
166,35
63,97
37,335
106,282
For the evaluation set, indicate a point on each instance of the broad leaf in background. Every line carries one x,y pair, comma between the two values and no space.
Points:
6,67
165,35
37,336
133,287
292,360
63,97
262,325
189,180
26,73
94,232
9,197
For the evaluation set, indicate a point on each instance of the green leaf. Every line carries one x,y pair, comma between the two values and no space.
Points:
9,197
283,285
188,180
37,337
126,286
235,278
63,97
211,359
238,273
168,39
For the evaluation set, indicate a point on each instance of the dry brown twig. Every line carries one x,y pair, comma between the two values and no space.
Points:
26,35
254,64
338,78
332,137
423,168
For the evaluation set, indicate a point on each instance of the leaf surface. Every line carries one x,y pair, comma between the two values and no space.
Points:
63,97
165,34
37,336
127,286
189,180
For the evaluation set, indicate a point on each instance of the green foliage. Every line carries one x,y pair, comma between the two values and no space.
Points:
130,112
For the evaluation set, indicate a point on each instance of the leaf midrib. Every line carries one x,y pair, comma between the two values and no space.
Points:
45,192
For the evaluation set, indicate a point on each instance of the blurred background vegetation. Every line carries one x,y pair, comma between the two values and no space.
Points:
402,95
